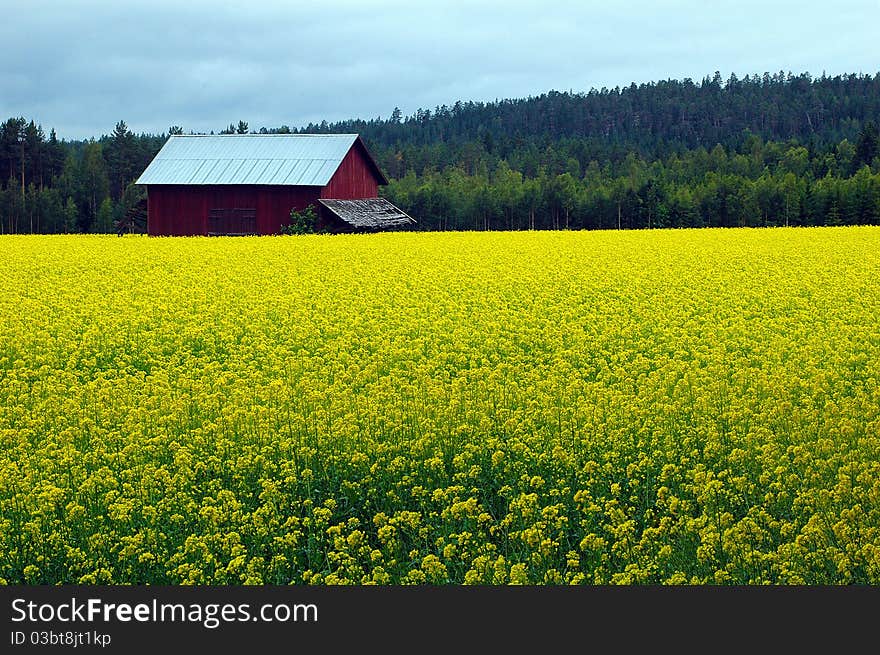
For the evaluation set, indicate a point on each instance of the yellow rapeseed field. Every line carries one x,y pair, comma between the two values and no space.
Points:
680,407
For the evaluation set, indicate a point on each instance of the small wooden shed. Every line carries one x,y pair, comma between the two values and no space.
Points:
249,183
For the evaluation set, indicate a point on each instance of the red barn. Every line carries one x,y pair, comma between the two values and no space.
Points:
249,183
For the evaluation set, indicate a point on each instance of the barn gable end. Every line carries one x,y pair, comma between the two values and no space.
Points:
357,177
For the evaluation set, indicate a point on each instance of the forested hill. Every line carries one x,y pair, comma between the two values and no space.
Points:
654,119
766,149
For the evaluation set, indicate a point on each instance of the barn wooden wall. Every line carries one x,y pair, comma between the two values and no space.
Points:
183,210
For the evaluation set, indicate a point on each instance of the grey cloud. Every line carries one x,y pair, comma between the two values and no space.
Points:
81,66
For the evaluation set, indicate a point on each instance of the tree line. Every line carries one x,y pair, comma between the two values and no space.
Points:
763,150
53,186
759,184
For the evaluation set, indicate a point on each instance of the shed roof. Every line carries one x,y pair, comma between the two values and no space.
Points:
280,159
368,213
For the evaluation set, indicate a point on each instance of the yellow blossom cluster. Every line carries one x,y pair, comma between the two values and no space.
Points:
676,407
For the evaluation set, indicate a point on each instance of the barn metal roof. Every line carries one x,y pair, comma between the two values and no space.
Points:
285,159
368,213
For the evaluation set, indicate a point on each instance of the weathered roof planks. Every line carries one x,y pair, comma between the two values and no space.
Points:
368,213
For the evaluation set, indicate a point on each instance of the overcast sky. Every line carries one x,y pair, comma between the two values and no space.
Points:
81,66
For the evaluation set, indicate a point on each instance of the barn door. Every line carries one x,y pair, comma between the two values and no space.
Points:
232,221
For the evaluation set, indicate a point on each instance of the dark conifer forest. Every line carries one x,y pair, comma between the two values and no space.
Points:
763,150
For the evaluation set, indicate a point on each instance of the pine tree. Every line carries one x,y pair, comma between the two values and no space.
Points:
121,159
867,147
